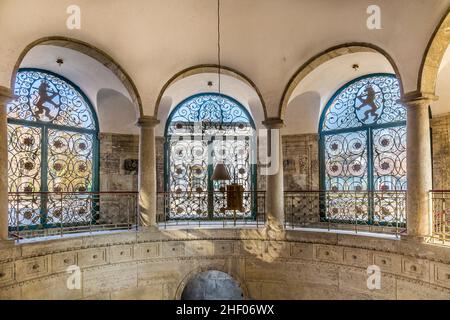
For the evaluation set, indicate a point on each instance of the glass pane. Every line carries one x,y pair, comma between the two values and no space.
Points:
346,161
70,159
188,178
24,174
346,170
235,154
389,153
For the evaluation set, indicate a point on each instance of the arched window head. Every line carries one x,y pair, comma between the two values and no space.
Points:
365,101
214,111
47,97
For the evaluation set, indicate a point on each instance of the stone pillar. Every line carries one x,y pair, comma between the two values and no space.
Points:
419,164
147,171
275,179
5,96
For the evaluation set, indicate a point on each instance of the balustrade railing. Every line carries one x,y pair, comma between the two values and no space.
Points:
37,214
372,211
440,205
211,209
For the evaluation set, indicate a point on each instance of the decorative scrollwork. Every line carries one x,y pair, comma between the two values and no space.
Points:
202,131
364,149
43,96
369,100
51,135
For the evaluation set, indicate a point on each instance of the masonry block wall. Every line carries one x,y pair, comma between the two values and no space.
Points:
440,135
159,264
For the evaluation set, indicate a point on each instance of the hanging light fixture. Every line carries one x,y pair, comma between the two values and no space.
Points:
220,171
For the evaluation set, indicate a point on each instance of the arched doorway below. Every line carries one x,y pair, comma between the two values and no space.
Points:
212,285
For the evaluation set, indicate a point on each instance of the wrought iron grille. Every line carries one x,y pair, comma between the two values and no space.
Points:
52,147
363,143
440,204
202,131
70,212
347,210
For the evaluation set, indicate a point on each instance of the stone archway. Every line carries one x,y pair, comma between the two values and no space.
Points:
91,51
433,56
324,57
212,285
216,274
209,68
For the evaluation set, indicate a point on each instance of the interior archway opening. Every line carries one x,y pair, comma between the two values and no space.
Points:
212,285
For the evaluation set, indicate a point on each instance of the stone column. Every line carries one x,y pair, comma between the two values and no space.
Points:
419,164
275,187
5,96
147,171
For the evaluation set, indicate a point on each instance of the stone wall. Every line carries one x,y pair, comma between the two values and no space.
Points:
115,151
158,265
301,162
440,130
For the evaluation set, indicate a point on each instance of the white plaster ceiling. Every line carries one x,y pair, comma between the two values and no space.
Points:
442,106
316,89
267,40
109,97
86,72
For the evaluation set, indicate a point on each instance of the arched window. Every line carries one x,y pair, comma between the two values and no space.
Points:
202,131
52,147
363,148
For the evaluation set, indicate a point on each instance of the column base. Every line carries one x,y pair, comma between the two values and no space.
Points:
416,239
148,229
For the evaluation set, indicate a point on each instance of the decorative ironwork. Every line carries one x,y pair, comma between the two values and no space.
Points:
71,212
347,210
363,147
44,96
202,131
368,100
52,146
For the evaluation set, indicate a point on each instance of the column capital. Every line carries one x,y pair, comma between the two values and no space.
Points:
418,98
5,94
273,123
147,121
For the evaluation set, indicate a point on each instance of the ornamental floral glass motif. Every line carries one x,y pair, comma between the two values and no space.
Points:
363,150
202,131
52,146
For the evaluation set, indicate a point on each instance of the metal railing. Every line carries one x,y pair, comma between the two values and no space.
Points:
371,211
440,205
210,209
37,214
40,214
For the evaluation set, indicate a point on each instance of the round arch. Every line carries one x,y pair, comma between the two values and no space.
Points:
433,56
325,56
91,51
209,68
213,267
